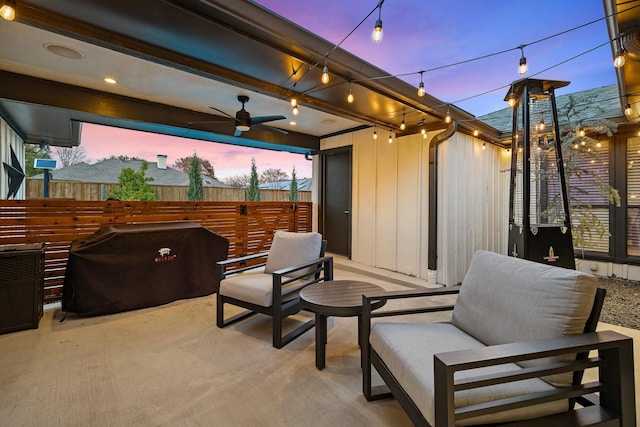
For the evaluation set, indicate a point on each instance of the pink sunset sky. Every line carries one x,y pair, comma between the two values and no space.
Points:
227,160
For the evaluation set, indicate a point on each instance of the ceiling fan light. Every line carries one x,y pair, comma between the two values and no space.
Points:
242,128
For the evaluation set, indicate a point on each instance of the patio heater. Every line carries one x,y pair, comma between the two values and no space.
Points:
539,220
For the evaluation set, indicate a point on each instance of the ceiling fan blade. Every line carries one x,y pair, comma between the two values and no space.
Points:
264,119
220,111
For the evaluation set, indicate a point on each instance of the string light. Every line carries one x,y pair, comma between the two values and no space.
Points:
484,146
620,59
390,137
522,68
375,133
512,98
350,95
377,33
294,102
421,90
628,111
541,125
581,132
325,74
403,125
476,132
8,10
447,118
296,111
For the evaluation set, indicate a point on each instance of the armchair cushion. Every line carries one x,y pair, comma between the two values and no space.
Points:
546,301
289,249
408,350
256,288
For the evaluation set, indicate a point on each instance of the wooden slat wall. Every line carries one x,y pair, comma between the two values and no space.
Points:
249,226
97,191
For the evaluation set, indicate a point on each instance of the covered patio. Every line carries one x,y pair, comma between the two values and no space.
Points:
171,365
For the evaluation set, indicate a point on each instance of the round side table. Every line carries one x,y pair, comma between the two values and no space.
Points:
341,298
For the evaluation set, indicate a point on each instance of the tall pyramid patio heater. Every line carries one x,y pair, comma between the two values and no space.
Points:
539,220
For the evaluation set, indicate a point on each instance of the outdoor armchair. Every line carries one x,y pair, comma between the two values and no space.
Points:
514,351
271,286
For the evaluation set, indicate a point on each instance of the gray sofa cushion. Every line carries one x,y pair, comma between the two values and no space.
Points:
408,348
505,299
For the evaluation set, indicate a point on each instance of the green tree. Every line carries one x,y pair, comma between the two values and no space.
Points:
293,189
133,185
253,192
32,152
194,192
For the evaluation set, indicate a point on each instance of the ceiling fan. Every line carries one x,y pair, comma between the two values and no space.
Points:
244,121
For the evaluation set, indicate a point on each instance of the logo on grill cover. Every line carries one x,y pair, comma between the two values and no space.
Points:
165,255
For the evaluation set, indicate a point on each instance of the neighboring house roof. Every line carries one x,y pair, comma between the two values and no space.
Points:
304,184
108,171
605,99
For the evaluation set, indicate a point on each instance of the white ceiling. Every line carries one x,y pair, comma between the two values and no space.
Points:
23,51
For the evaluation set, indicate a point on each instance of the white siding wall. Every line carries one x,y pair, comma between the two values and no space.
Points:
9,139
390,202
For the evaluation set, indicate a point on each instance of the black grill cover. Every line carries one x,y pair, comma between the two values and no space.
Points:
125,267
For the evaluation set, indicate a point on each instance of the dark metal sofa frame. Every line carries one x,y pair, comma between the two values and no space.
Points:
283,306
613,405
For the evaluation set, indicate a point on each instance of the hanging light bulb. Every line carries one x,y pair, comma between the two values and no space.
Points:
421,91
8,10
447,118
390,137
325,74
620,59
294,102
295,110
581,133
522,68
375,133
403,126
350,95
377,33
484,145
476,132
628,111
512,99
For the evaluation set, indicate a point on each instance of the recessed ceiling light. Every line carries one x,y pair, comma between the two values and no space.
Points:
110,80
292,123
64,51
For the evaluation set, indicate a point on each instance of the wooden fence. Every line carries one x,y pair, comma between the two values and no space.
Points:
97,191
249,226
